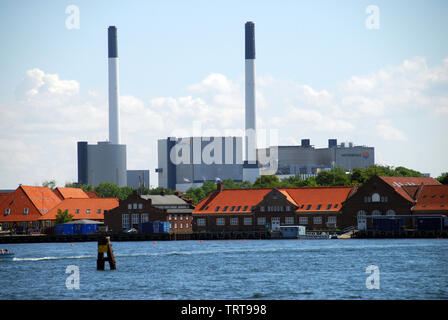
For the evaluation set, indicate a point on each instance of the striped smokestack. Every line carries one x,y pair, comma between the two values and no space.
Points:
250,139
114,107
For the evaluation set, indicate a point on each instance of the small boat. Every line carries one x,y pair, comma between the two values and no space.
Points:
314,236
6,255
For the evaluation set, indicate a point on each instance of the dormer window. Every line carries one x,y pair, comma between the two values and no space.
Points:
25,210
376,197
7,211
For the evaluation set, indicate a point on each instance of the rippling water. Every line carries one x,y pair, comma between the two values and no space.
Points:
252,269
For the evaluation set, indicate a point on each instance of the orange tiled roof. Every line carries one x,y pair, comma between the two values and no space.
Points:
238,198
399,182
319,199
67,193
79,208
308,199
432,197
43,198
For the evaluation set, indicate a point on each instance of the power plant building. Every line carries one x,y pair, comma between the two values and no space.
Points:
189,162
307,160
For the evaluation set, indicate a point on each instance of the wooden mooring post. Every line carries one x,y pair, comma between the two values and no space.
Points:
104,246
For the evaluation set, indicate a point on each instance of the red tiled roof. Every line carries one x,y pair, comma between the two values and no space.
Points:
95,205
242,198
319,199
432,197
43,198
67,193
92,194
308,199
399,182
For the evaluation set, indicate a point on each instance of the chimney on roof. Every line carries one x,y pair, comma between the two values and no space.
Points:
219,186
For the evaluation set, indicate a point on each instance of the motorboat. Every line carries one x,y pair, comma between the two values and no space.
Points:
6,255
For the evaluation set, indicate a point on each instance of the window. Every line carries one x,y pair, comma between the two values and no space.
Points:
303,220
248,221
245,208
169,217
135,218
375,197
262,209
181,225
175,225
220,221
99,211
288,208
225,208
25,210
201,222
376,213
7,211
48,223
261,221
308,207
88,211
25,225
331,219
175,217
233,208
145,217
217,209
238,208
140,205
253,208
125,220
317,220
77,211
5,225
181,217
233,221
390,212
129,206
318,206
289,220
329,207
186,225
336,205
134,206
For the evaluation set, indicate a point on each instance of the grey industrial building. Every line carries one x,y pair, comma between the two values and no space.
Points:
138,178
189,162
307,160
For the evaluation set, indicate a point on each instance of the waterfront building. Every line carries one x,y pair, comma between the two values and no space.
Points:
266,210
137,209
30,208
394,196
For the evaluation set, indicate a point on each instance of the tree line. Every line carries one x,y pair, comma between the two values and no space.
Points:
334,177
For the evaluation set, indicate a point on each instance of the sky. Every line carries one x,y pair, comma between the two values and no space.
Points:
324,69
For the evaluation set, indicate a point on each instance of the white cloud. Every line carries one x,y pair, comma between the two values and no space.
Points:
386,131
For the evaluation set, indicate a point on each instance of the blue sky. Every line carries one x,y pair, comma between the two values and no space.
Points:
320,74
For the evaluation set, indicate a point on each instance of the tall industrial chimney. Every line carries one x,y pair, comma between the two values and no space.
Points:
251,137
114,107
250,167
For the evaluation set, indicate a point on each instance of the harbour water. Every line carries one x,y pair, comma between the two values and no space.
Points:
235,269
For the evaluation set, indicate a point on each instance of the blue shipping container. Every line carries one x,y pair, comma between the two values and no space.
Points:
154,227
85,228
430,223
62,228
387,224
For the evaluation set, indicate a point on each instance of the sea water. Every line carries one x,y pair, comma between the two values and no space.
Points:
234,269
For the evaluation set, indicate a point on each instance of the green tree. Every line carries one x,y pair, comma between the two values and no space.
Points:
405,172
125,192
63,216
266,181
50,184
107,190
84,187
443,178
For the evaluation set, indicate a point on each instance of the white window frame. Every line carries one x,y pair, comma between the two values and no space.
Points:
331,219
26,210
247,221
289,220
87,211
261,221
220,221
317,220
140,206
145,217
234,221
129,206
135,219
201,222
48,223
125,220
376,197
7,211
303,220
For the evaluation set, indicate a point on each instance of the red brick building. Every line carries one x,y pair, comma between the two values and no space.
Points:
137,209
266,210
